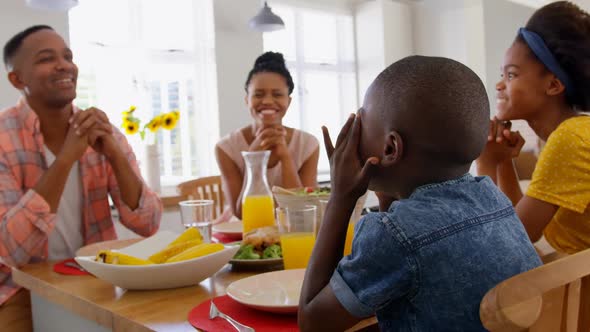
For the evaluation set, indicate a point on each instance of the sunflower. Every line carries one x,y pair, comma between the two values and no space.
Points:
176,114
169,121
131,127
128,114
154,124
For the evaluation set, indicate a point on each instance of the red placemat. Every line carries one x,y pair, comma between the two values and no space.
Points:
61,268
259,320
222,238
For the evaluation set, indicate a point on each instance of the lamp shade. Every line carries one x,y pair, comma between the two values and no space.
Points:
266,20
54,5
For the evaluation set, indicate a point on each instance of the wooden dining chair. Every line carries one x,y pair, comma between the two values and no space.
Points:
208,187
556,294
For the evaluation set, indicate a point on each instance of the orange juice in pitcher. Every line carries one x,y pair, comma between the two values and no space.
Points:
257,202
257,211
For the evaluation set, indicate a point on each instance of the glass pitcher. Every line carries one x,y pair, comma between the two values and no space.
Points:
257,202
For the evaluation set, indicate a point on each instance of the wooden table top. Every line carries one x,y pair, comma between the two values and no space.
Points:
122,310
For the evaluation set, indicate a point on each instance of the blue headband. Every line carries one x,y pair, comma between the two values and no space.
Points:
540,49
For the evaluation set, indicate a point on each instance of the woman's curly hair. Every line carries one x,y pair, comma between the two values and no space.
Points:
271,62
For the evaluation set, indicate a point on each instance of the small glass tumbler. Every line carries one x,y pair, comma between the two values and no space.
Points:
199,214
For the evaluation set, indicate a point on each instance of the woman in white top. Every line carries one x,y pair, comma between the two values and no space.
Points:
294,154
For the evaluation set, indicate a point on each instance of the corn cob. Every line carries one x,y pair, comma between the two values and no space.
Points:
172,250
117,258
196,251
190,234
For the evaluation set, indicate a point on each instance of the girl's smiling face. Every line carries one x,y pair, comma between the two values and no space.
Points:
522,90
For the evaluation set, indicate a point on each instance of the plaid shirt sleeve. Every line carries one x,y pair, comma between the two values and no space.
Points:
145,219
25,220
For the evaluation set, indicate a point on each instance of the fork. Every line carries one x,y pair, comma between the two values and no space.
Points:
214,312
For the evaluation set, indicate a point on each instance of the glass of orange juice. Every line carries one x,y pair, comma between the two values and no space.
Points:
349,230
297,232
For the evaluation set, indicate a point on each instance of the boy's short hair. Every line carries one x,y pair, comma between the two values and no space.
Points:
13,45
438,105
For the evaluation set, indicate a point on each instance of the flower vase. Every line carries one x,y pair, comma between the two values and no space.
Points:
152,167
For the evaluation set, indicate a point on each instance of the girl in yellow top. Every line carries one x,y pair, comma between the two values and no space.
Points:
546,81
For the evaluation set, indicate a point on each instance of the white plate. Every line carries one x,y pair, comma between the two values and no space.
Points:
157,276
273,291
231,229
256,262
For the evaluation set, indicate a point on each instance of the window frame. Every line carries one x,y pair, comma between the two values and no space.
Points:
299,67
203,92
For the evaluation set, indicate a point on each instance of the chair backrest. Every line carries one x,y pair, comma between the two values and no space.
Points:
204,188
516,303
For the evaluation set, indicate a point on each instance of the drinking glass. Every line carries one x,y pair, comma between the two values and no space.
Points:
349,230
198,213
297,229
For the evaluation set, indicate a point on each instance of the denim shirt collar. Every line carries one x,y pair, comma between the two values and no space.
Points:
467,177
462,179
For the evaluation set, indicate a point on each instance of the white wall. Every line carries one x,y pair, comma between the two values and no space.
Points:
236,48
370,50
384,34
345,6
15,17
584,4
398,31
452,29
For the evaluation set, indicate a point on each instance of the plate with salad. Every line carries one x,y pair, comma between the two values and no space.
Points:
259,248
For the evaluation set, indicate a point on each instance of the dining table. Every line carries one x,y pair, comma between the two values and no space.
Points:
86,303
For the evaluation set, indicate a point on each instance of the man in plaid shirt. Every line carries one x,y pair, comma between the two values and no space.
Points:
58,165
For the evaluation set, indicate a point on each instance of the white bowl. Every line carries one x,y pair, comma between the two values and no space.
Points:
157,276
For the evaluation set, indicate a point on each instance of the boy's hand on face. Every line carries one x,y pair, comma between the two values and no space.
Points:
350,178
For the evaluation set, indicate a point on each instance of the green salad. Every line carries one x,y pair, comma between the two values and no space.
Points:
248,252
308,191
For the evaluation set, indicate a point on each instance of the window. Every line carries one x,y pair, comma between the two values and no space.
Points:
158,56
319,49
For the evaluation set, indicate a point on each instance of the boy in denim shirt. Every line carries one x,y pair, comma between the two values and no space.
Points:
426,263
